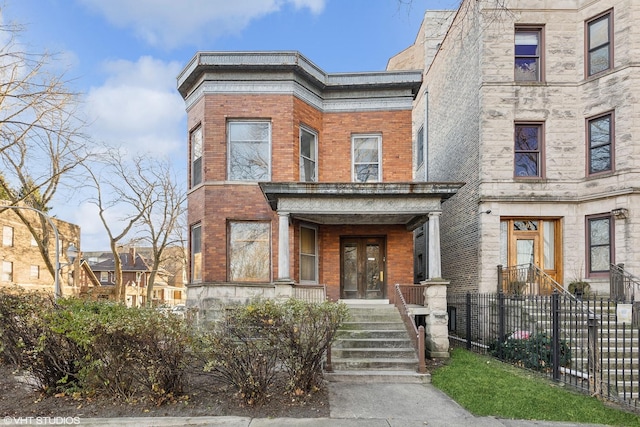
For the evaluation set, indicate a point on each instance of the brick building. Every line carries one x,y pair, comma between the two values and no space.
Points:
300,178
534,107
168,286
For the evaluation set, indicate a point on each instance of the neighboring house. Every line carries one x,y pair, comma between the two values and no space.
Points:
135,276
300,178
22,263
535,108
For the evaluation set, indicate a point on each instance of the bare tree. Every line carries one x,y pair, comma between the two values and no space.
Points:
41,139
122,189
149,202
160,226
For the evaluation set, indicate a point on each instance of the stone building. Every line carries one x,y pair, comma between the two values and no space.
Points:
301,179
533,105
22,262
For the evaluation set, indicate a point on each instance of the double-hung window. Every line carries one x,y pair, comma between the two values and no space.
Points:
528,149
196,253
599,244
367,165
308,255
420,147
308,155
600,143
7,236
249,251
196,156
599,44
528,56
7,271
34,272
249,150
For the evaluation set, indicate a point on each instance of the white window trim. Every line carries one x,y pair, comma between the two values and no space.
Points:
315,230
315,134
193,159
229,123
7,236
353,165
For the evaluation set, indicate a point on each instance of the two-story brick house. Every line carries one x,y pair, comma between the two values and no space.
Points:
534,106
298,178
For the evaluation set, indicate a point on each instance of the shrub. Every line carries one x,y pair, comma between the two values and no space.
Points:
307,331
26,340
239,351
533,352
256,339
129,351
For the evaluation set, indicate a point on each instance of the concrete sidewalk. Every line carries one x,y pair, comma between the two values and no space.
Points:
355,405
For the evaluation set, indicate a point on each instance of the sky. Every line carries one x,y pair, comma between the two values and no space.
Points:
123,57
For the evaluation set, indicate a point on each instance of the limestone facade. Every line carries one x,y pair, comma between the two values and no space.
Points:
472,101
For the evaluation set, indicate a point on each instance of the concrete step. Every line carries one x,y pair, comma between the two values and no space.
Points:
371,325
388,364
364,343
366,376
372,353
372,334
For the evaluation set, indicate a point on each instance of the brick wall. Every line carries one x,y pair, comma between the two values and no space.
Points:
399,259
218,200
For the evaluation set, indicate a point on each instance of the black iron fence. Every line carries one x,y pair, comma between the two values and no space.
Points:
589,344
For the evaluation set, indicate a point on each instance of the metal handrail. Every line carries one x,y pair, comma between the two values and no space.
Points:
529,279
416,333
621,283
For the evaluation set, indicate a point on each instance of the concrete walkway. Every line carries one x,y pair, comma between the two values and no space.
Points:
354,405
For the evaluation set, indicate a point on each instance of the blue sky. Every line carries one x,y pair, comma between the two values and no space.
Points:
123,56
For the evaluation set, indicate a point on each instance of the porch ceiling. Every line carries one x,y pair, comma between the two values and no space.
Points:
408,204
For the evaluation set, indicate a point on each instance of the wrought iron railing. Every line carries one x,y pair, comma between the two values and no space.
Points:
416,333
622,284
527,279
594,349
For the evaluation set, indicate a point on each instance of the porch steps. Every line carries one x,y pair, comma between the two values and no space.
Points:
620,361
374,346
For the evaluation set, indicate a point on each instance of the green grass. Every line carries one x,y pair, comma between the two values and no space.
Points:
486,386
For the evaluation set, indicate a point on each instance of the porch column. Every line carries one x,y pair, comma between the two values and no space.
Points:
283,246
435,268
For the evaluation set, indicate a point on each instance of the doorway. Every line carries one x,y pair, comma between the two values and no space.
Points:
534,241
362,268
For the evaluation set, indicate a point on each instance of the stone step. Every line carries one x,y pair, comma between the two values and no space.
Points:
391,342
382,325
389,364
373,334
372,353
367,376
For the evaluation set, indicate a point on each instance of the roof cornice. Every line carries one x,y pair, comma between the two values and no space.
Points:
206,65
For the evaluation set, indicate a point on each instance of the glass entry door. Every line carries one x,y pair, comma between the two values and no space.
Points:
534,241
362,269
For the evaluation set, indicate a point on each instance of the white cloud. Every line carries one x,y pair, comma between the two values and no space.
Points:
138,107
171,23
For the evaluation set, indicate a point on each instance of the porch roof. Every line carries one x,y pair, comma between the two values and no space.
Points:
408,204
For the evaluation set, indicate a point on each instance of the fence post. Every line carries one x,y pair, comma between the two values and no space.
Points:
594,356
555,337
500,285
468,320
501,323
422,366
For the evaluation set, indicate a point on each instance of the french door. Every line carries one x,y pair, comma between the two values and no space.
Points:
362,269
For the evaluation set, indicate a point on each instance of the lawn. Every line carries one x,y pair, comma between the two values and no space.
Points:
486,386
